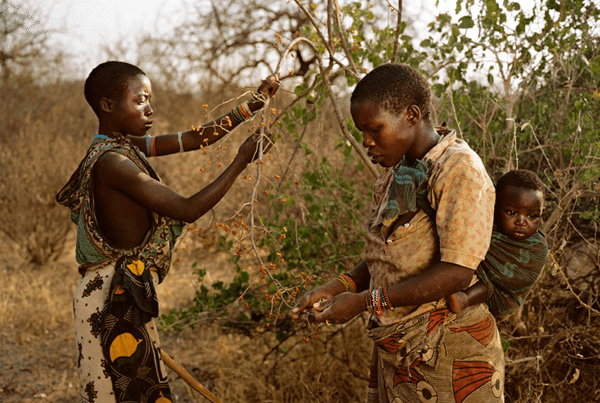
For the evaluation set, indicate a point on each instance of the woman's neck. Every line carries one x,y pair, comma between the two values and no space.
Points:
428,138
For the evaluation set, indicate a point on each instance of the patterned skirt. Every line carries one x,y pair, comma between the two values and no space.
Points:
126,367
439,357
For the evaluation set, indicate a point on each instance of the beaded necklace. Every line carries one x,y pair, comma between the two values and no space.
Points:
101,136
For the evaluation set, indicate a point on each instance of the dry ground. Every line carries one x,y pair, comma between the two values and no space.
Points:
37,351
38,355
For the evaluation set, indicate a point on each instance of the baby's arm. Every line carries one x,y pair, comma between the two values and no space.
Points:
475,294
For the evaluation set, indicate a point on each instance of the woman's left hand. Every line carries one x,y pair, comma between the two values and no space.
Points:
339,309
269,86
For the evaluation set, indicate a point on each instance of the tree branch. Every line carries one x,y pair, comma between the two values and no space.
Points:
398,25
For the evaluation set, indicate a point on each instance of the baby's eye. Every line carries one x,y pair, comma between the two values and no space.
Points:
510,212
533,216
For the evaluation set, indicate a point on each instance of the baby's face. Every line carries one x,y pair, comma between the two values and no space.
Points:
518,212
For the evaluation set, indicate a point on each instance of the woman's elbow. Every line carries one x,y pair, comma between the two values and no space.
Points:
464,276
458,276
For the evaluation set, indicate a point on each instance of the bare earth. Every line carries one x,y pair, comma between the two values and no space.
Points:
37,349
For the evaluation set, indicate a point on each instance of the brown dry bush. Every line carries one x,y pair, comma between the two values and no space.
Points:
257,368
39,148
554,353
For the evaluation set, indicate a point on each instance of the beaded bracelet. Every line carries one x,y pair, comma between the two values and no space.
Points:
386,299
368,302
242,112
347,281
377,300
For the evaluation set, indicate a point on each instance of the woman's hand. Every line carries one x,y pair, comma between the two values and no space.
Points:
249,148
269,86
310,299
266,89
339,309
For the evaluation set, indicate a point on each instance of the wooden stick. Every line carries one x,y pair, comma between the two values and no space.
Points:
188,378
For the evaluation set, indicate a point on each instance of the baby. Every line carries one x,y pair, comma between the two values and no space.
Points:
517,252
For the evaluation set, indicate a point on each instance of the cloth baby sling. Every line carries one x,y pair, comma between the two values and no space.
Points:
510,268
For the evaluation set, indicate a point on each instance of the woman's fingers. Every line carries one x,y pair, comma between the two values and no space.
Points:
269,86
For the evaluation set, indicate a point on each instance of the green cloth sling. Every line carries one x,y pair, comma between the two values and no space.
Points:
510,267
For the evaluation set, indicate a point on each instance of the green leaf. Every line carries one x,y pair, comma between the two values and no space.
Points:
514,6
505,344
595,67
466,22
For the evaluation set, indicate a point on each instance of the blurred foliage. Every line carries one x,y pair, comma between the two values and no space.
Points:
24,43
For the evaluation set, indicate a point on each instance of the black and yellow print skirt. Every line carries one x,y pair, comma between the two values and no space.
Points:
117,361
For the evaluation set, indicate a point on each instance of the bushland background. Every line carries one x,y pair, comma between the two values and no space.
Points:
520,83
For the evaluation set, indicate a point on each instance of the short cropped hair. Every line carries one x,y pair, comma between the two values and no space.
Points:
521,178
108,80
394,87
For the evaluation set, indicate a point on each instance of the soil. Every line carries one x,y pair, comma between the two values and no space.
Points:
37,348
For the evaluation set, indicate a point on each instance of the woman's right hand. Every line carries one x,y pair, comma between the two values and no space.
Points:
249,148
307,303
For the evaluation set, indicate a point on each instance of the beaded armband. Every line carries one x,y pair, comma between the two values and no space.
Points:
242,112
151,146
348,282
377,300
180,141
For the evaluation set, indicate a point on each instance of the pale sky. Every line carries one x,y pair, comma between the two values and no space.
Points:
86,25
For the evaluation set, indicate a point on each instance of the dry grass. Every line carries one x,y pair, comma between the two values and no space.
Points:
37,349
554,359
554,353
37,355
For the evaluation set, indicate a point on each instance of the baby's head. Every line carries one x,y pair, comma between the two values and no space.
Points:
519,204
